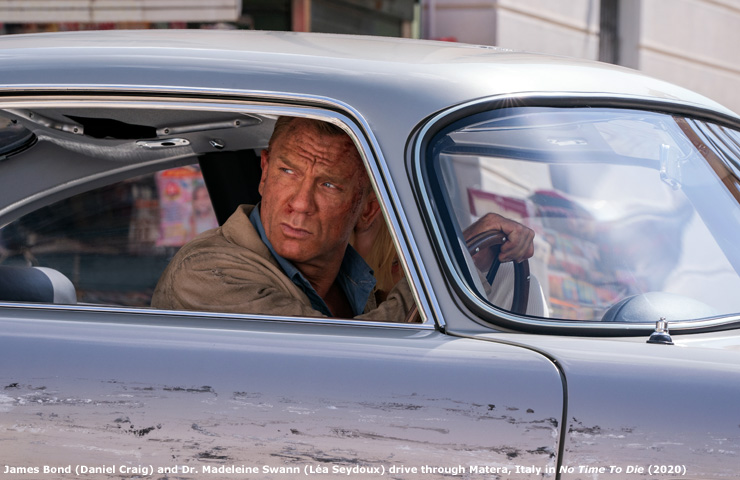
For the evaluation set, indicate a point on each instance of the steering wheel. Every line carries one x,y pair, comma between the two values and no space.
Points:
492,240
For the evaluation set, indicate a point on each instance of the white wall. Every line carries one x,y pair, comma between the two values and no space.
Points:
561,27
568,27
465,21
693,43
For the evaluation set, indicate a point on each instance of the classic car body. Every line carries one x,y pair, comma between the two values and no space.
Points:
99,128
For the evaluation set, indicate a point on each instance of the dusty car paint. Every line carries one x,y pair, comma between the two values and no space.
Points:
239,392
648,405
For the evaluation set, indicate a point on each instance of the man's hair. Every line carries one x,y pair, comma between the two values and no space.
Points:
283,127
283,124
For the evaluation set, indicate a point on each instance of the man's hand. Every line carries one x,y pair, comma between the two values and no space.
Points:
519,244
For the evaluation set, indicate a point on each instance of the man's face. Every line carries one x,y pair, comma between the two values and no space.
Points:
312,190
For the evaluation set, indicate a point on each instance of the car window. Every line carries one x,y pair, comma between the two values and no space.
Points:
114,242
105,223
630,208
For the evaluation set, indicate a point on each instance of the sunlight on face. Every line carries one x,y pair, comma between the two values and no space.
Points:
313,190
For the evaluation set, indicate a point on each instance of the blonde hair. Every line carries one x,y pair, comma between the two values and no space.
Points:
381,257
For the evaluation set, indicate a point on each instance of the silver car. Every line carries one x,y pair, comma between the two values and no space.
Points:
613,352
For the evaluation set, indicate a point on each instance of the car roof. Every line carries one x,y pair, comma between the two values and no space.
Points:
376,75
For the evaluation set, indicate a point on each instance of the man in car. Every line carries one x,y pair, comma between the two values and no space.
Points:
290,255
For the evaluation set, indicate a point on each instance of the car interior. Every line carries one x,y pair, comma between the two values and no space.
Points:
82,187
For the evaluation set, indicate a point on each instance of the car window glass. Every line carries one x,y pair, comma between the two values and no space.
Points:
628,208
114,242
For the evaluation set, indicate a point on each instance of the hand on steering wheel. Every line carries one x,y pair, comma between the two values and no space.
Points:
489,243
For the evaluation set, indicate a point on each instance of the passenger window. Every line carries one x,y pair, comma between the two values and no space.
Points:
121,245
113,242
286,254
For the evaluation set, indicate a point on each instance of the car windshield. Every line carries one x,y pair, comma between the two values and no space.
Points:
625,204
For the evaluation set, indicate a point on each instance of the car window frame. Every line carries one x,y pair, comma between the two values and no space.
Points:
427,190
319,108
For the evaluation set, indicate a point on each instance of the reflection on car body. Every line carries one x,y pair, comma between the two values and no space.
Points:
632,192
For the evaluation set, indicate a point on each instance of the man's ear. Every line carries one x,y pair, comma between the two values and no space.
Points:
370,211
264,160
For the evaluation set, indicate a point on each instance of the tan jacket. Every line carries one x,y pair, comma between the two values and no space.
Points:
230,270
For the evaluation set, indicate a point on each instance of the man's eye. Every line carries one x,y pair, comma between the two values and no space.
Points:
286,170
329,185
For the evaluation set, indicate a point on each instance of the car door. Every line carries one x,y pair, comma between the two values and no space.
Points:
110,387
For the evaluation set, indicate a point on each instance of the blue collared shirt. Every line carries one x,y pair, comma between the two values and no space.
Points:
355,276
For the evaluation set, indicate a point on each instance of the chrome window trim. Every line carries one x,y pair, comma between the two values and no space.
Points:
339,113
534,324
115,316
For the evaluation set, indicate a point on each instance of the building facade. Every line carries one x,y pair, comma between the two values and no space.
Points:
692,43
390,18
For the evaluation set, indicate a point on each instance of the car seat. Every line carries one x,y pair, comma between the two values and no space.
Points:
35,284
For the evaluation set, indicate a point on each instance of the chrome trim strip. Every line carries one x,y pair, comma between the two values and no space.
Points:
184,314
27,92
388,196
565,326
339,112
64,90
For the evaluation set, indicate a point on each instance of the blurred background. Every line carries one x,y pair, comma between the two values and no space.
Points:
694,43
